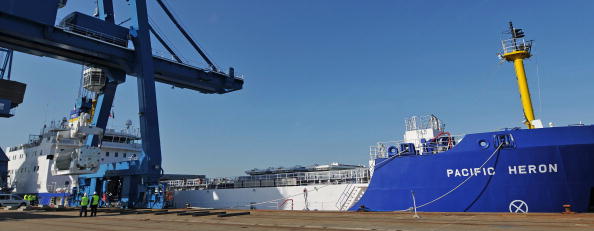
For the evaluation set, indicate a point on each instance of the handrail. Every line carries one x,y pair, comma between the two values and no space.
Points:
344,196
301,178
517,44
380,150
284,202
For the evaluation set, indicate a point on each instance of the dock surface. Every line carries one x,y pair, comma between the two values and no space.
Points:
290,220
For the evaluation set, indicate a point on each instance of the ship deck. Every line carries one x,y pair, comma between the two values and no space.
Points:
293,220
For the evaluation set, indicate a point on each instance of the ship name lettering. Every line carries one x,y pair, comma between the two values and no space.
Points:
470,172
531,169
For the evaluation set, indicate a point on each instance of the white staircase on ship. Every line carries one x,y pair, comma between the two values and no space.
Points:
351,194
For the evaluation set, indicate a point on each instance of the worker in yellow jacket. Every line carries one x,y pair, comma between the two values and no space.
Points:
84,202
33,199
94,204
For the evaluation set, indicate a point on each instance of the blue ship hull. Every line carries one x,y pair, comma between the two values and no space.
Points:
538,170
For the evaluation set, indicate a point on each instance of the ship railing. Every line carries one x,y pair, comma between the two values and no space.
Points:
338,176
15,148
352,176
194,182
68,142
187,183
55,125
32,143
518,44
358,173
124,146
129,131
34,140
306,175
423,122
442,144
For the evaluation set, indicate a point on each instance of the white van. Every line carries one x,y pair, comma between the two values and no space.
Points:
12,200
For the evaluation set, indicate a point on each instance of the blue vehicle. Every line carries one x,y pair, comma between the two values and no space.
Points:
514,170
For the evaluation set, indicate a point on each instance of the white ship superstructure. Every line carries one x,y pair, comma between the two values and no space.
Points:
333,187
31,168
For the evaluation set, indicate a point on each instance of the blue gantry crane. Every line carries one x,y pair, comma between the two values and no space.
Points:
11,95
98,42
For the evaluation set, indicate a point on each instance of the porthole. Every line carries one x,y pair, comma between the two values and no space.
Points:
483,144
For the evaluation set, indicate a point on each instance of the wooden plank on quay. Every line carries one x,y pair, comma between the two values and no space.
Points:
165,212
207,214
234,214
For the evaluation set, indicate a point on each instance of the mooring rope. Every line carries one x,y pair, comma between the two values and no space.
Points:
459,185
270,201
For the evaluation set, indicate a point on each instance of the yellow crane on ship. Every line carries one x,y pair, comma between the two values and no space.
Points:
516,50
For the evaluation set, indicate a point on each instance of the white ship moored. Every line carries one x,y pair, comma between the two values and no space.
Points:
334,187
31,166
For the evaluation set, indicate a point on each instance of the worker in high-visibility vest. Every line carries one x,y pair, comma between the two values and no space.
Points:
84,202
33,199
94,204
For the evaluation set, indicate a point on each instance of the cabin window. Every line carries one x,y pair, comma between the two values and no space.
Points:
124,155
106,154
116,154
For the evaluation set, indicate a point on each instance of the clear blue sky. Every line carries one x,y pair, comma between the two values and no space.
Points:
326,79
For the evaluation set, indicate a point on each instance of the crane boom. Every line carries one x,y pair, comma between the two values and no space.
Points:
45,40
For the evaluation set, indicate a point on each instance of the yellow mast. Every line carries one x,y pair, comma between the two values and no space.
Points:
516,50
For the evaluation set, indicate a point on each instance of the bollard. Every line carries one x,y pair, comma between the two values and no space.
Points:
567,209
